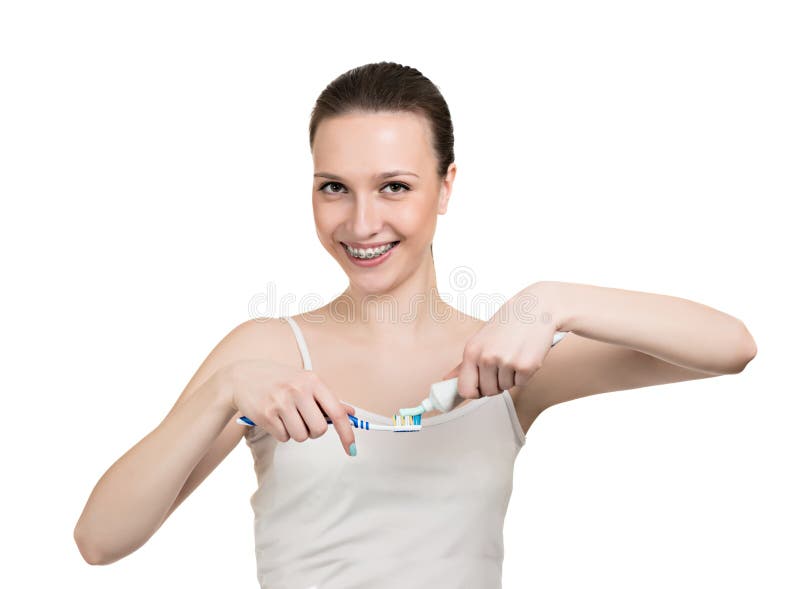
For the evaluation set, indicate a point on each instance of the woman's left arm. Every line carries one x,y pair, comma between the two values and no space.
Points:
619,340
672,329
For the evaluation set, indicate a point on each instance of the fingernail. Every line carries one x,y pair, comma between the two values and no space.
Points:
353,449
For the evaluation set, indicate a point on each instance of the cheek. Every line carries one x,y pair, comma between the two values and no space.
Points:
325,221
325,236
414,219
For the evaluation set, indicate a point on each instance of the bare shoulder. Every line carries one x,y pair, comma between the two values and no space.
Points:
245,340
266,337
259,336
270,337
254,338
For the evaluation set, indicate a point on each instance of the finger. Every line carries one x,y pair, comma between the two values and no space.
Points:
488,378
347,408
528,362
525,370
505,377
312,415
274,426
335,409
468,379
293,422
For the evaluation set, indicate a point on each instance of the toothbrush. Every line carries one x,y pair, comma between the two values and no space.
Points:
443,397
401,423
444,394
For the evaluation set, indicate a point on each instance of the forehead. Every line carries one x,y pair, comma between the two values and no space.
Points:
363,143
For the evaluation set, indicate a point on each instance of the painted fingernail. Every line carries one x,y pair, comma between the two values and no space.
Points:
353,449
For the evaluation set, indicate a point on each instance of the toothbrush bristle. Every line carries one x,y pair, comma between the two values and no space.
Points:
406,421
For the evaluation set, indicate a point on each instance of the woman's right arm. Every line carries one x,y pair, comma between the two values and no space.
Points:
139,491
131,499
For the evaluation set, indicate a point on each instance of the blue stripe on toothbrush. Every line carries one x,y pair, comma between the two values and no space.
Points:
247,421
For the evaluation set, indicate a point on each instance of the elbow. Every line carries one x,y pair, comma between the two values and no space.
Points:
747,351
91,558
89,553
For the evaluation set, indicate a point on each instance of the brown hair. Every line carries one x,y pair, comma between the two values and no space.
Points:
388,86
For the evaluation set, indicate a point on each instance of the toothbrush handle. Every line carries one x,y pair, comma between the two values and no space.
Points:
249,422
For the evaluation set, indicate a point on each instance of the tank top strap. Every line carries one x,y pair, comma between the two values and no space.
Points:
301,342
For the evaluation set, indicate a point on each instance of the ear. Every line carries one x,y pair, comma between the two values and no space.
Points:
446,188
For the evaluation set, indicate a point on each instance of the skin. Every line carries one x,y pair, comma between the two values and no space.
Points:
386,311
618,339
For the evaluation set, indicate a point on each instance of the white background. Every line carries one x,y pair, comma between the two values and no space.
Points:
156,177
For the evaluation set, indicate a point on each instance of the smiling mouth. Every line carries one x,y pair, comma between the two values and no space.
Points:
369,253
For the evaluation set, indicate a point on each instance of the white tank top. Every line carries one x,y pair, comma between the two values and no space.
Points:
421,509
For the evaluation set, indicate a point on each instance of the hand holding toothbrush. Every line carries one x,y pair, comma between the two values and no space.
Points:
288,402
511,346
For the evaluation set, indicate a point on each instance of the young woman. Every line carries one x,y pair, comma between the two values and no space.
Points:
425,508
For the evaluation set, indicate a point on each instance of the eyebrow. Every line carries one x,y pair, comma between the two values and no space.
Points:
388,174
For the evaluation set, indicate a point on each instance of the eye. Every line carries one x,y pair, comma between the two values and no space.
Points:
397,184
326,184
322,188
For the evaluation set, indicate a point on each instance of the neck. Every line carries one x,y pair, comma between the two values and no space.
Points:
409,308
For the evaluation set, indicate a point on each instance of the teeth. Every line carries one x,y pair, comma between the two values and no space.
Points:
369,252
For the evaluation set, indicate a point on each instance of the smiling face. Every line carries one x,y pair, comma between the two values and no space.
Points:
376,183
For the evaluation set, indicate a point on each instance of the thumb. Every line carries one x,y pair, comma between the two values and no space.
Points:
454,372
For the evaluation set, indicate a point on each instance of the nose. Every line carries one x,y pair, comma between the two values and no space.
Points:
365,218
